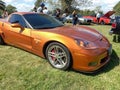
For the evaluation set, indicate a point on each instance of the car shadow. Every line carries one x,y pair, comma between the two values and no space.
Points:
114,61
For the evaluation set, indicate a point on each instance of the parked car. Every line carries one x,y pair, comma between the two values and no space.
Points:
115,29
81,48
81,19
104,19
92,17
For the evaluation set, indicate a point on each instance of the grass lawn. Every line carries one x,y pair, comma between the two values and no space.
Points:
20,70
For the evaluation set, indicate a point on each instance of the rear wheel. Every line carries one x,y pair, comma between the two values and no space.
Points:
58,56
1,41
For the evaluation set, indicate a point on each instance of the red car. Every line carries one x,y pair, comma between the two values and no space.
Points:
105,19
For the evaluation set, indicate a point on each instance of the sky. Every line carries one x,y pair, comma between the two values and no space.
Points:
27,5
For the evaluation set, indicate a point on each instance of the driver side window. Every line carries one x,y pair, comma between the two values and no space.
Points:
15,18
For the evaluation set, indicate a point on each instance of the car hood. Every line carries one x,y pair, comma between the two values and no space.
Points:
77,32
108,14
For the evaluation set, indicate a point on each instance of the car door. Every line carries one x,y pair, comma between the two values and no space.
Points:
18,36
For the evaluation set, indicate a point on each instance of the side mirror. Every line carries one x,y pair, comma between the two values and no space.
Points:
17,25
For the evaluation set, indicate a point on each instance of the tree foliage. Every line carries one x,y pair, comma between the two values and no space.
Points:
81,3
52,3
2,5
37,3
98,9
66,5
11,9
75,4
116,8
87,12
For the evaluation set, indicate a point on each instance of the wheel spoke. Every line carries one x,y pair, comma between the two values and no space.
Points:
62,54
60,61
56,49
57,56
51,54
55,62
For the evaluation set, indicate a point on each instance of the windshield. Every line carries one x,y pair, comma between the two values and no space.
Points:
42,21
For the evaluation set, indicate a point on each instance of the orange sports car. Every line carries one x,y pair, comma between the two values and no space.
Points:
78,47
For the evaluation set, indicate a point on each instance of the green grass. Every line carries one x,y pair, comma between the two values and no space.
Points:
20,70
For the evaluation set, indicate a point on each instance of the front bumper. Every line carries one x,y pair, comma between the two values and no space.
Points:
91,62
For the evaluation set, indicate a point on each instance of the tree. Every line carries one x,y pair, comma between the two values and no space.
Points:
81,3
116,8
53,3
69,5
75,4
2,5
98,9
11,9
87,12
37,3
66,3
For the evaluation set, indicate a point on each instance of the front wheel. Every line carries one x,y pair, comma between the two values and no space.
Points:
58,56
102,23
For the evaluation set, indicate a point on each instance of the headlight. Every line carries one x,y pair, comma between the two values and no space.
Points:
85,44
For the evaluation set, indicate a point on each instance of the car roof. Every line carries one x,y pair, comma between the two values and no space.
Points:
23,13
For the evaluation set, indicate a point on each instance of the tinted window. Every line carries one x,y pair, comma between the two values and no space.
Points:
80,15
15,18
38,21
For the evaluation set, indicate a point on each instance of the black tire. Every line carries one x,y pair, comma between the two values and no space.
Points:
102,23
79,22
67,21
58,56
1,41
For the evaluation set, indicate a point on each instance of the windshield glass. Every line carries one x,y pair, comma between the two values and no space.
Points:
42,21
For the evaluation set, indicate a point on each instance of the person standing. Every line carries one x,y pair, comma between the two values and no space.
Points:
5,14
98,17
45,10
75,18
35,9
57,14
40,9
